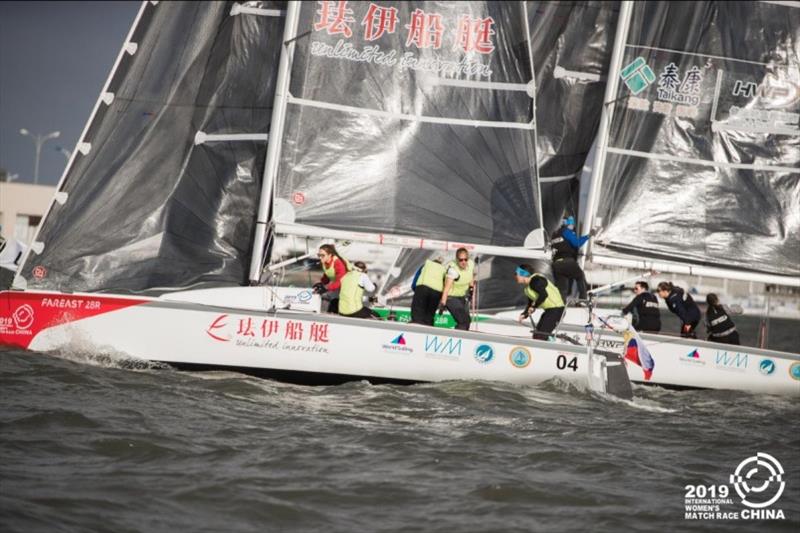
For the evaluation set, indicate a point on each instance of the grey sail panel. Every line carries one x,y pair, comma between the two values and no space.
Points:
146,207
353,160
703,163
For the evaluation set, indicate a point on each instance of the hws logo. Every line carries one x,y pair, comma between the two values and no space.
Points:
484,353
766,367
445,346
727,361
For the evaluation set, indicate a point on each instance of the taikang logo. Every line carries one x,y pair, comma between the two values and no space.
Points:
637,75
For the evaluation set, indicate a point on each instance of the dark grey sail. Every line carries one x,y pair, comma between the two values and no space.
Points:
703,164
146,207
412,118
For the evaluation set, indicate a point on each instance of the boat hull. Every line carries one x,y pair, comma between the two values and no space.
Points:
229,331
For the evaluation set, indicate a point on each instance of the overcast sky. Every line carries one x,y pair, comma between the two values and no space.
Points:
54,59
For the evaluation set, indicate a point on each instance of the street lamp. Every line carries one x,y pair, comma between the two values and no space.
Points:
38,140
66,153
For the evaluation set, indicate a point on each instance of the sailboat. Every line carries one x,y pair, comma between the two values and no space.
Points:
226,126
698,168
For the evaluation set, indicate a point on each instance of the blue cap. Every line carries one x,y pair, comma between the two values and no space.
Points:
569,221
522,272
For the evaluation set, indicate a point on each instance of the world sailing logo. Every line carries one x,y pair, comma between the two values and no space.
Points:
484,353
692,358
398,344
767,367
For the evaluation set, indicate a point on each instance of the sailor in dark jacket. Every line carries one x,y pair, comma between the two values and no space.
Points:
565,243
719,325
680,303
644,308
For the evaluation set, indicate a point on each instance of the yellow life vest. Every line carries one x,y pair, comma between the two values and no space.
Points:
553,295
432,275
330,271
351,294
461,285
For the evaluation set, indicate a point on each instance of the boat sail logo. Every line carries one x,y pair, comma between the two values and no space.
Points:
398,344
520,356
484,353
767,367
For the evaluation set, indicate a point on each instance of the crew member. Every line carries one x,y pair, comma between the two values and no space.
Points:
428,285
680,303
334,268
644,308
566,243
719,325
459,281
351,292
542,294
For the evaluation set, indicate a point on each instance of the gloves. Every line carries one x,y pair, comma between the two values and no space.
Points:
593,232
441,307
372,299
319,288
687,328
469,294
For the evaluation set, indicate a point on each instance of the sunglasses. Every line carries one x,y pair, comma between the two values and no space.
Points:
463,259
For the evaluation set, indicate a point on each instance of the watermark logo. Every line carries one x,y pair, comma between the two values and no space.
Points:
23,316
520,356
759,478
484,353
767,367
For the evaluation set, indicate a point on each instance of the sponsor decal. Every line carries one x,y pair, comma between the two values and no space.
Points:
397,345
637,75
520,357
731,361
484,353
766,367
302,297
758,480
298,198
442,347
23,316
692,358
270,333
39,272
794,371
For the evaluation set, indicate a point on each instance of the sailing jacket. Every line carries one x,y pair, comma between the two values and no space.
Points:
542,294
351,294
430,275
644,308
334,272
680,303
462,279
718,323
565,243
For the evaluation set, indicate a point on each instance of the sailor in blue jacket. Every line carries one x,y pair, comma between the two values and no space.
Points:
565,243
681,303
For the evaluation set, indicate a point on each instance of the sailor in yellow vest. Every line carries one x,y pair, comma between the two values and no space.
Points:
428,285
351,292
458,283
542,294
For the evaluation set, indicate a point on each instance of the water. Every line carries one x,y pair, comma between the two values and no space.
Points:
95,444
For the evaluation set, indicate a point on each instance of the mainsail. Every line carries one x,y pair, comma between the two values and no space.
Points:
703,158
163,188
411,119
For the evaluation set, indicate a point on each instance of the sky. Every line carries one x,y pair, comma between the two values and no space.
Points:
54,59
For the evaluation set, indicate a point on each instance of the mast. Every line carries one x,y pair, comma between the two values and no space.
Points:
623,25
274,143
533,118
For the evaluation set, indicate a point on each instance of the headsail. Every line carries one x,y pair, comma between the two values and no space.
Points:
163,188
411,119
703,160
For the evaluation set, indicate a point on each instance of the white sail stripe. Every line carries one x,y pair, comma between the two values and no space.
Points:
694,54
498,85
554,179
202,137
413,118
413,242
694,270
692,161
238,9
561,72
785,3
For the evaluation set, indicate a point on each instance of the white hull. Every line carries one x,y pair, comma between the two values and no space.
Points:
686,363
234,329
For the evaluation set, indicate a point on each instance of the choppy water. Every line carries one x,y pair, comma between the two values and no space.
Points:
93,444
